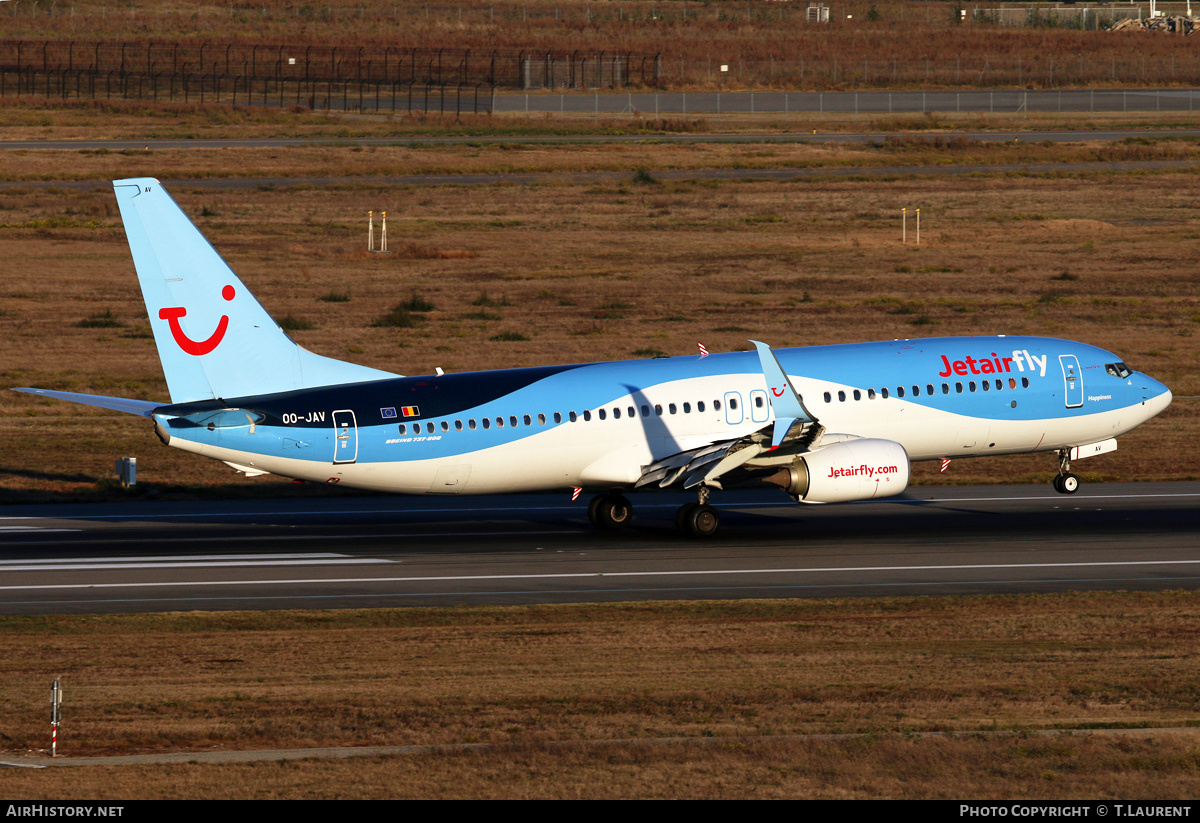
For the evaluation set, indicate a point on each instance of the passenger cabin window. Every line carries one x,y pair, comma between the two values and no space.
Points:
687,408
458,425
403,428
527,420
471,424
557,417
700,406
487,424
870,394
541,419
717,404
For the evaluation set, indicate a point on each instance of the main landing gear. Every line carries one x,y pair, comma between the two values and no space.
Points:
1064,482
611,511
698,519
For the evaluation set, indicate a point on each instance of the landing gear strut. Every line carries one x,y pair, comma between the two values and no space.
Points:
610,511
698,519
1064,482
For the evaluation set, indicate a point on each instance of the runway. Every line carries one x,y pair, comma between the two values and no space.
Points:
352,552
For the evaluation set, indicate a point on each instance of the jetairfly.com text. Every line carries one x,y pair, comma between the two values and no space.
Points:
996,365
862,471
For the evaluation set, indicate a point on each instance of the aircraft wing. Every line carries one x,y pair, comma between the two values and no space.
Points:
737,458
793,432
143,408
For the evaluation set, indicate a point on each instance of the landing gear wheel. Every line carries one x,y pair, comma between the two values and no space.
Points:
681,518
1066,483
610,511
698,520
593,507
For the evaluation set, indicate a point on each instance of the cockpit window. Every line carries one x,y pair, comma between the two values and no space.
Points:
1118,370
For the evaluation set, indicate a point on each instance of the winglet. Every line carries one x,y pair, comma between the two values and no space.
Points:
785,402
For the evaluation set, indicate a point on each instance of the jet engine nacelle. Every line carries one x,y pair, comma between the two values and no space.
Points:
861,469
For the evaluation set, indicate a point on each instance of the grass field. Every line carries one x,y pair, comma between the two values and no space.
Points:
561,692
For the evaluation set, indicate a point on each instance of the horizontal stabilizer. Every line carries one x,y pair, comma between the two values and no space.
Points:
143,408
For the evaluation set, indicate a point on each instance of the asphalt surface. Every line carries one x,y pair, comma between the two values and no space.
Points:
348,552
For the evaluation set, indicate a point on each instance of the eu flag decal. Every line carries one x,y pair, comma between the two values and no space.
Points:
387,413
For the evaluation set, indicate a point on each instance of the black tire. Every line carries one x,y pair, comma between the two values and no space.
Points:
593,508
1057,484
681,518
703,521
1068,484
613,512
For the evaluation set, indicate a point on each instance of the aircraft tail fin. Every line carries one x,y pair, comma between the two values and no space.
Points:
214,338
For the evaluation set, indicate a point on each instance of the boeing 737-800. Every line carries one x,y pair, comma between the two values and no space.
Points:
825,424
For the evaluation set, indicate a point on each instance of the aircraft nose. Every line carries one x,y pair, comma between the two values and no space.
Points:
1155,395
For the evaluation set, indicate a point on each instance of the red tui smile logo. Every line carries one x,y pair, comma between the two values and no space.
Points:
196,347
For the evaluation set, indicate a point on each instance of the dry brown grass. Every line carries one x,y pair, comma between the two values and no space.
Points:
523,678
303,161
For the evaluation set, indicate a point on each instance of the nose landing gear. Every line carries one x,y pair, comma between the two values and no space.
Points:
1064,482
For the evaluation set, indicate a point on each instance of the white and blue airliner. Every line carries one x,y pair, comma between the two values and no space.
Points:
825,424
